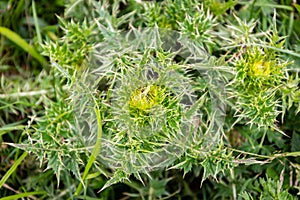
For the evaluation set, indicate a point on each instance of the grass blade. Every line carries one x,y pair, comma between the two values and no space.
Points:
95,151
21,195
14,37
6,129
13,168
37,28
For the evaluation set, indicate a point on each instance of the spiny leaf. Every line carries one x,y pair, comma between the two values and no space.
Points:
119,176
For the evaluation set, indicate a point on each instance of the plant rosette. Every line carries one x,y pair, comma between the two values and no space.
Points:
151,106
257,87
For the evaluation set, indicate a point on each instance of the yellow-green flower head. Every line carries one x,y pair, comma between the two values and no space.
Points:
145,98
260,68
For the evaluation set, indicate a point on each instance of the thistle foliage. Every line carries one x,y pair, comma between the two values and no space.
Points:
153,109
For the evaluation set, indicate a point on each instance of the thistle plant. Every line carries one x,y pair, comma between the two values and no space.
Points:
153,110
260,76
256,87
189,17
268,189
72,50
56,140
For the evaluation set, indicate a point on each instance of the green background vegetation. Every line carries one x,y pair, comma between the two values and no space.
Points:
44,45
